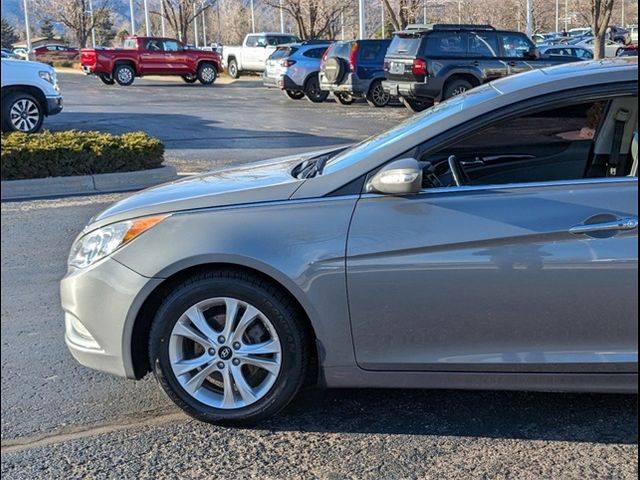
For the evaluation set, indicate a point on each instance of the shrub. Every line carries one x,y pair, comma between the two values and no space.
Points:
72,152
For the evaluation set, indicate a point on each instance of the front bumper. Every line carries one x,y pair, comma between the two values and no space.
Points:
100,305
54,105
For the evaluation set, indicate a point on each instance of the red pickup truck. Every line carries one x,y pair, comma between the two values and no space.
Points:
150,56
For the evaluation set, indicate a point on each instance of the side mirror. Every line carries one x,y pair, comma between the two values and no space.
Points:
400,177
533,53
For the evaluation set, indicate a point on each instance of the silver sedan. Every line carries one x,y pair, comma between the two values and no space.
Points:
489,242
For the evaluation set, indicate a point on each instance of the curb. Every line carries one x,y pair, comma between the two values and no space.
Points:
85,184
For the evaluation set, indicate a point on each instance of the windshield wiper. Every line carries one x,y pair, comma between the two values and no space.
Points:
311,168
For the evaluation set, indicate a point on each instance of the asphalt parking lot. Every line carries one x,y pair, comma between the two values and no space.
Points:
60,419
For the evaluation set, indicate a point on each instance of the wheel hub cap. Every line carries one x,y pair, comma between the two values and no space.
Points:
24,115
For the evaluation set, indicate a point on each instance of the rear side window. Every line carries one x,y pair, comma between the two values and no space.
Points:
483,45
274,40
583,53
515,45
446,44
314,52
283,52
340,49
404,46
368,52
130,44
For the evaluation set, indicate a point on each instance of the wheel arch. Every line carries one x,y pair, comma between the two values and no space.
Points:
309,77
131,63
470,77
136,343
211,61
31,90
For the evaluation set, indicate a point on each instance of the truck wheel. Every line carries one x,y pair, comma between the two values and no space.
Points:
456,87
344,98
313,92
415,105
21,112
124,75
107,79
377,97
294,95
233,69
190,78
207,73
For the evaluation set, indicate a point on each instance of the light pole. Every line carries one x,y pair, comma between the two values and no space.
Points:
384,34
342,24
133,22
93,29
459,11
424,11
162,17
566,14
204,27
529,18
281,18
147,24
361,25
195,25
26,28
622,15
557,15
253,19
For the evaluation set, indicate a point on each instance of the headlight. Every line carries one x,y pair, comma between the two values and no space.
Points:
48,76
95,245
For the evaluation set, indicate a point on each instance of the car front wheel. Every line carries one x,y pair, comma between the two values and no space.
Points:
228,348
21,112
207,74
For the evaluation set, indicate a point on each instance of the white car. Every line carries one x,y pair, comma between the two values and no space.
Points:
252,55
610,47
30,92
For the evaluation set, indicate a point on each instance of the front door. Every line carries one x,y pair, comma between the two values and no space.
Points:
515,49
503,274
152,57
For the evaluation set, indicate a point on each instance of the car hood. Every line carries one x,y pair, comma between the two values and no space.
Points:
265,181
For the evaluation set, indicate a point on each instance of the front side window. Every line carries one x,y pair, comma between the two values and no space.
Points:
252,41
153,45
583,53
515,46
559,143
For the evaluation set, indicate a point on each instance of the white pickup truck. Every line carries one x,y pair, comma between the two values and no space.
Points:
29,93
252,55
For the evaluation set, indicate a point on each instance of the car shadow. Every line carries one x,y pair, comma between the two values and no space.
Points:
180,131
593,418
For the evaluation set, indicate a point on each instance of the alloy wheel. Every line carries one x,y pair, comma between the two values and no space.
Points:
225,353
24,115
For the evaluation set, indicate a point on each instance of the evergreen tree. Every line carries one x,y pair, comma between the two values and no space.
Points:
104,29
46,29
9,36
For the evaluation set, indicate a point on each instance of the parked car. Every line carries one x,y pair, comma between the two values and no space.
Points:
580,32
439,62
628,51
150,56
565,51
23,53
294,69
633,32
488,243
7,53
252,55
619,35
30,92
56,52
542,38
611,48
355,69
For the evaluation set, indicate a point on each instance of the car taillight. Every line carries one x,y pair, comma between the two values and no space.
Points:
352,57
324,57
419,67
287,63
386,66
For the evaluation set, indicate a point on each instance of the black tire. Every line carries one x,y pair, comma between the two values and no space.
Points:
293,94
106,79
415,105
21,112
344,98
232,69
377,97
456,87
124,75
190,78
271,301
313,92
207,73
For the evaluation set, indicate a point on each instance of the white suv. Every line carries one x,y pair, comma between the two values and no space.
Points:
29,93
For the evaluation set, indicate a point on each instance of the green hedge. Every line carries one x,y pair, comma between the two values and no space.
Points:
73,152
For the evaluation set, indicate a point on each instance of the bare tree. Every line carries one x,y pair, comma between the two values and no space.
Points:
75,15
403,12
597,13
313,18
180,14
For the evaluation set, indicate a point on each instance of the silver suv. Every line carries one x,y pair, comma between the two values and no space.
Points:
294,69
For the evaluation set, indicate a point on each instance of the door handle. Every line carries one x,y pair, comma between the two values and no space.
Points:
620,224
145,54
475,63
511,63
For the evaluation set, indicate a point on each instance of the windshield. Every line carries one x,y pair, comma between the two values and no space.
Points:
424,120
